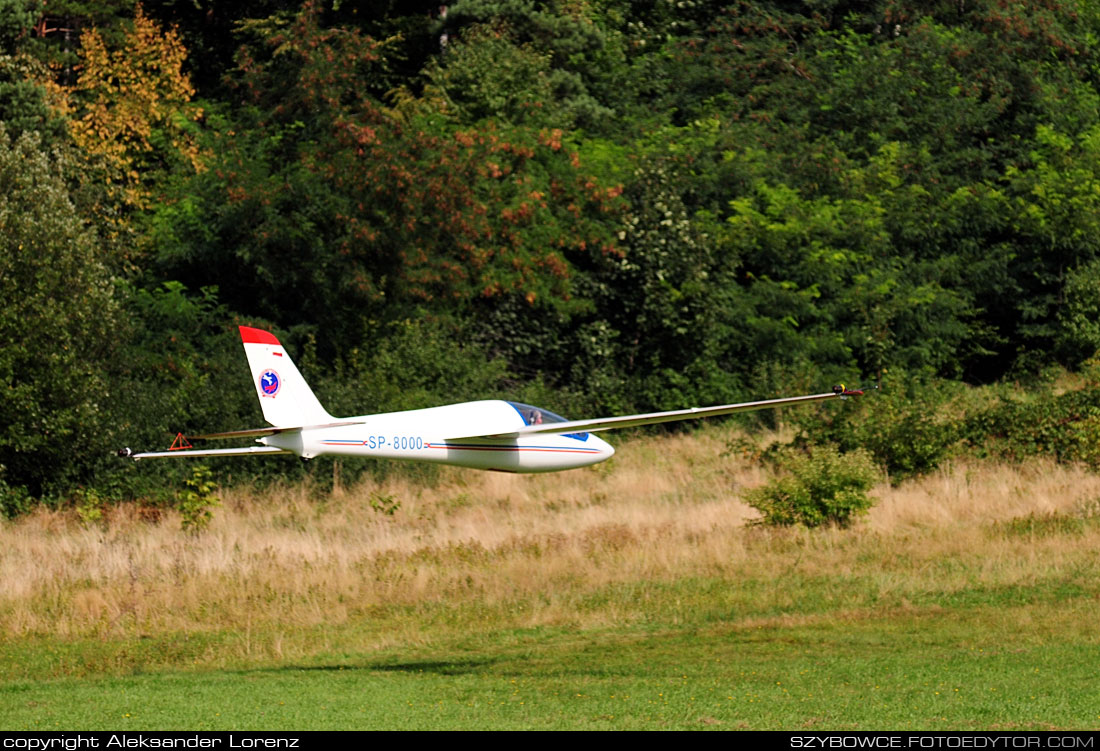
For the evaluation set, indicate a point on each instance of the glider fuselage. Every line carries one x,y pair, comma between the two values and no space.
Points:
427,435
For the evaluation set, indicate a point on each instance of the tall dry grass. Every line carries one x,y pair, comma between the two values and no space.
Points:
586,547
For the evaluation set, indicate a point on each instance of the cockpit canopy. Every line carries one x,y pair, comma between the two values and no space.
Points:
538,416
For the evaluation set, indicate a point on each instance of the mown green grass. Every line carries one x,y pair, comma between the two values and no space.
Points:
1015,661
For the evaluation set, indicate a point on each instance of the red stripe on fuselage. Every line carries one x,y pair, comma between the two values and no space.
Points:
545,449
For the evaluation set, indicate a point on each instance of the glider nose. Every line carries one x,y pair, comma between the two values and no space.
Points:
606,449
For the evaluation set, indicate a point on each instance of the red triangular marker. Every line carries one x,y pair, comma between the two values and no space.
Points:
180,443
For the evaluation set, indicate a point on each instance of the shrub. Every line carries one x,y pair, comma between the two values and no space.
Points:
195,502
822,487
89,506
14,499
1064,426
906,426
384,503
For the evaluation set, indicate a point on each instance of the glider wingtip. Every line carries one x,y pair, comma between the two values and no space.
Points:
250,335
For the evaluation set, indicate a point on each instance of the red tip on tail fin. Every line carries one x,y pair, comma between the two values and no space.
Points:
250,335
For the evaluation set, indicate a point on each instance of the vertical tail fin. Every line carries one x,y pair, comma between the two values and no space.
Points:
285,397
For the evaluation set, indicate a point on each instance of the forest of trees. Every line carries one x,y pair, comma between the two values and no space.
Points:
597,205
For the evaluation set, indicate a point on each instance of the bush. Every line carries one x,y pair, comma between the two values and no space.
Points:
1078,333
14,499
823,487
89,506
196,502
1064,426
907,426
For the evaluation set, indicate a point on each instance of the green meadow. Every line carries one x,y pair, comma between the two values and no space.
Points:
636,596
1022,661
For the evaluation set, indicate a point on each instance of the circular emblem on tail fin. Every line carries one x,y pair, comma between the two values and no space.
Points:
270,383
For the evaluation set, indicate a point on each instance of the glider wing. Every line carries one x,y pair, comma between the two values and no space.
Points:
652,418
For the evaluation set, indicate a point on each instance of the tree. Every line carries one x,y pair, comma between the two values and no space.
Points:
487,76
57,320
566,58
323,205
1057,220
130,110
23,97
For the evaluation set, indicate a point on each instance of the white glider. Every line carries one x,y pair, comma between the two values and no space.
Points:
491,434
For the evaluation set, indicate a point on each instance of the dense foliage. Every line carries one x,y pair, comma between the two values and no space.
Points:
822,488
605,205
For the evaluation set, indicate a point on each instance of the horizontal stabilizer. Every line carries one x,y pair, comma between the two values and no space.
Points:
258,432
207,452
631,421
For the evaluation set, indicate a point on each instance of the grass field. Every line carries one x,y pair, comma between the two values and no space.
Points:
630,595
